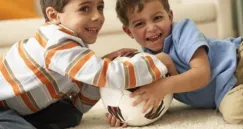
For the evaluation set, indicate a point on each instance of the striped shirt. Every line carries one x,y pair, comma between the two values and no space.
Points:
55,63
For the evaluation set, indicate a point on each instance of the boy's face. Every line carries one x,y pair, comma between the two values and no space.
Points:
85,17
151,26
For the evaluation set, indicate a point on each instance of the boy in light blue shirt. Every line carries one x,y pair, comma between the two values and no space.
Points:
209,70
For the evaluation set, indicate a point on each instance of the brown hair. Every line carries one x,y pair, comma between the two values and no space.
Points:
123,6
58,5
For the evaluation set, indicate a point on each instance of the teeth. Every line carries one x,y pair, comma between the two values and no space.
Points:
154,38
92,30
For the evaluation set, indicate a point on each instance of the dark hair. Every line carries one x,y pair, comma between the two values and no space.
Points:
123,6
58,5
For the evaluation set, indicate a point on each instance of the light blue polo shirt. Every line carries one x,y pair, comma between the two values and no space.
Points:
184,40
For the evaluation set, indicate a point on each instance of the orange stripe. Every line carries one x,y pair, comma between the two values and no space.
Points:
80,64
8,78
38,74
66,31
131,71
87,100
153,67
78,83
28,102
52,52
75,100
41,40
102,76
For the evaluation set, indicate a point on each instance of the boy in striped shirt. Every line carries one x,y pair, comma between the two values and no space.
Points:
38,75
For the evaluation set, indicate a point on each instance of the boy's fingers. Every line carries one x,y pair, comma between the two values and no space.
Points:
124,125
113,121
137,92
107,115
118,123
155,107
138,101
147,106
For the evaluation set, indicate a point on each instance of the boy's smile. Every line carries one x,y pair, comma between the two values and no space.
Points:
154,38
151,26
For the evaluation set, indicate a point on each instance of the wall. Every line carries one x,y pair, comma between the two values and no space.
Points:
237,9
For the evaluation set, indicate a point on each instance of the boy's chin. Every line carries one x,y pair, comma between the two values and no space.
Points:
90,41
156,50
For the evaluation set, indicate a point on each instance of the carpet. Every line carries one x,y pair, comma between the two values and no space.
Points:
179,116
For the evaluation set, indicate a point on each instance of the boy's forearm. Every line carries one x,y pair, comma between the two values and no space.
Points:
189,81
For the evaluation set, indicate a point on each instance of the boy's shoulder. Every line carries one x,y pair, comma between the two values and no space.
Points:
183,27
53,34
183,23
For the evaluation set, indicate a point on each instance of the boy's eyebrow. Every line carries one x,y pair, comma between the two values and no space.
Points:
159,12
84,3
87,2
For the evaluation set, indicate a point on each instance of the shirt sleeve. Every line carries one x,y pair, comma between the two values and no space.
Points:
67,56
187,38
86,98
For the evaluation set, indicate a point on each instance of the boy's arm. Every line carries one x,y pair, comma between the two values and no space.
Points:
67,55
192,48
86,98
195,78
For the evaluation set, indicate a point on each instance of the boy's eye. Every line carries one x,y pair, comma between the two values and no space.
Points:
101,8
84,8
138,24
158,18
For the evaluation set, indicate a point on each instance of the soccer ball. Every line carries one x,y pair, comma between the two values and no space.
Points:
119,104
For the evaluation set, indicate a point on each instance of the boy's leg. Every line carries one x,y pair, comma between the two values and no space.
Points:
60,115
231,106
9,119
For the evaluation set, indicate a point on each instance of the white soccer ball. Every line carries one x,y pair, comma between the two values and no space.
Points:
119,104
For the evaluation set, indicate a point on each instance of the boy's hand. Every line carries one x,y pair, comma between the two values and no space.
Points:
114,122
120,52
152,94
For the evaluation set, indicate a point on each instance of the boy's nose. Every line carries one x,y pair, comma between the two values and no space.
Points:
151,27
97,16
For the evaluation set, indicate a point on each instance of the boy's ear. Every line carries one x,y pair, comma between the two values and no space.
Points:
171,15
52,15
126,30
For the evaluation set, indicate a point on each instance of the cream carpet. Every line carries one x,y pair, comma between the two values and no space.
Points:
179,116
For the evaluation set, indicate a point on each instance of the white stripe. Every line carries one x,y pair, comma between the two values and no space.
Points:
21,71
62,59
6,90
88,71
162,68
35,50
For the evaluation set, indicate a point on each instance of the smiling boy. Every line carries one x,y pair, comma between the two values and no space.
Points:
210,70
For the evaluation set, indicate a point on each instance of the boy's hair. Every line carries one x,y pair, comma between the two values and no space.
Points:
123,6
58,5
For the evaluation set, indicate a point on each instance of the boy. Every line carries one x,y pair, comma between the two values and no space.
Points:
210,70
46,81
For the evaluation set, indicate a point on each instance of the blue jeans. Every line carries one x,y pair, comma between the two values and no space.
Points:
59,115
